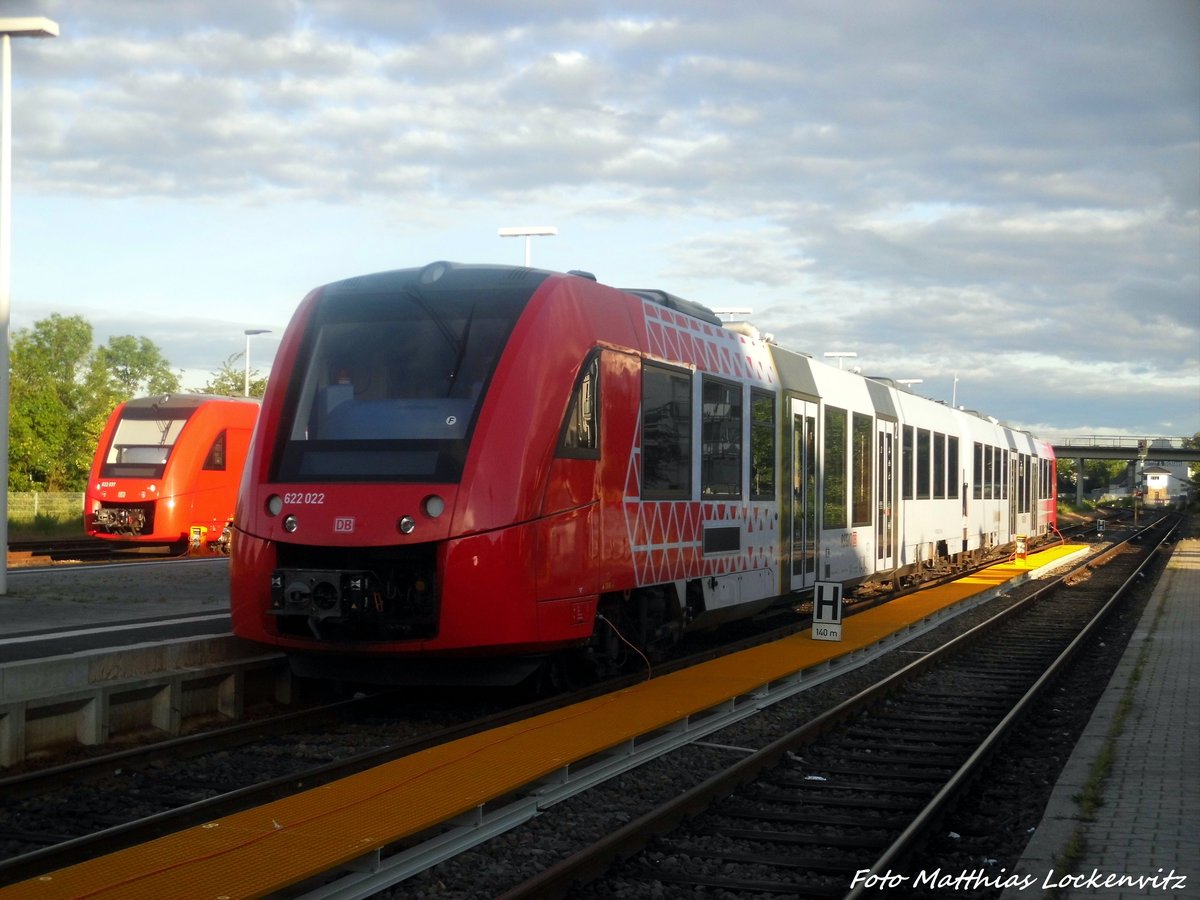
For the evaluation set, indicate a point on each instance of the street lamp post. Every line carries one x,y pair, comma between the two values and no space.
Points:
250,332
527,232
9,29
841,355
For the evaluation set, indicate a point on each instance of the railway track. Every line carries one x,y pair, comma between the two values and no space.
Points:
58,814
42,551
840,805
80,550
121,793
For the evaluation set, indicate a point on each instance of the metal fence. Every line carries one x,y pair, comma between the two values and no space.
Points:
26,506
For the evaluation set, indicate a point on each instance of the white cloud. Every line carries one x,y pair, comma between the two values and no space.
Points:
1010,190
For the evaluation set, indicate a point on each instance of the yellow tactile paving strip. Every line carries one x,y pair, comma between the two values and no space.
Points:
267,848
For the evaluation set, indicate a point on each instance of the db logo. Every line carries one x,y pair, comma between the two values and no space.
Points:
343,524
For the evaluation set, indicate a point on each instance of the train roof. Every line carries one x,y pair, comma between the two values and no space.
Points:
670,301
185,400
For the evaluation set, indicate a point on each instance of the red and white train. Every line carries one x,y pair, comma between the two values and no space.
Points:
474,462
167,468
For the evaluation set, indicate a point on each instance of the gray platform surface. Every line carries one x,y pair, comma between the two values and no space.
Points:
1144,840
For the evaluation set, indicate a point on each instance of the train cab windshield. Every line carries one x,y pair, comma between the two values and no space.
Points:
392,384
143,440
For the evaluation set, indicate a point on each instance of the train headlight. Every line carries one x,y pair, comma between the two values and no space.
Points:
274,505
407,524
434,506
290,524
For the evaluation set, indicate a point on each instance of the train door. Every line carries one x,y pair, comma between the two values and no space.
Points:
885,477
803,547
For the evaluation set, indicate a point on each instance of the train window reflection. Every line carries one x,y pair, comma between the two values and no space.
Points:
391,383
143,441
410,380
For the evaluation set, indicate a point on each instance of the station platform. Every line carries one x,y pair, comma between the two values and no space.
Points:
342,824
1143,840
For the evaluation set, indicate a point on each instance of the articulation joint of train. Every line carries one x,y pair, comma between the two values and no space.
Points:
490,463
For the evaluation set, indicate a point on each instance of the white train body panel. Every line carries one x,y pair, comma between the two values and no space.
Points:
922,481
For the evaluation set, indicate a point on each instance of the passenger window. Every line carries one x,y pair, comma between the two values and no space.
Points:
939,466
862,506
721,439
835,468
762,445
977,471
215,461
666,433
952,473
989,472
923,463
907,463
580,436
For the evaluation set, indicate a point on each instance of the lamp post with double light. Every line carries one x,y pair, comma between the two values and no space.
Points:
527,232
841,356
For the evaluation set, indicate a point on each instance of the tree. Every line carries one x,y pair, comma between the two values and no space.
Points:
230,380
62,392
48,367
1100,473
135,367
1193,443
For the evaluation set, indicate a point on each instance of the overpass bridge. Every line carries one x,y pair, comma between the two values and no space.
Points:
1106,446
1134,449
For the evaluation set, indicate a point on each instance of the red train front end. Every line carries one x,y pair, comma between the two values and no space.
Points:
167,468
394,497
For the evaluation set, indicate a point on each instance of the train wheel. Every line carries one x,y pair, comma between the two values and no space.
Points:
569,670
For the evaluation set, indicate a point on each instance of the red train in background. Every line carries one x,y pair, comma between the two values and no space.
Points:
471,469
166,471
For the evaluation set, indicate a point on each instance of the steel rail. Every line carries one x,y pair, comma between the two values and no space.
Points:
937,806
125,835
593,861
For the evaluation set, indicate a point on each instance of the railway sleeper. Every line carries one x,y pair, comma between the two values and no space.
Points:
861,842
902,766
895,737
902,753
826,801
785,888
796,781
805,817
813,863
885,724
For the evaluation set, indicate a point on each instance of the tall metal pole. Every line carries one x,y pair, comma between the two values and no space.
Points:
528,232
841,356
9,28
248,332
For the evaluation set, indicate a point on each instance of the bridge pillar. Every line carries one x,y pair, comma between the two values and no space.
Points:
1079,482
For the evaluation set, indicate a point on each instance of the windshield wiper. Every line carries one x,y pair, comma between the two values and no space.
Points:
462,351
437,319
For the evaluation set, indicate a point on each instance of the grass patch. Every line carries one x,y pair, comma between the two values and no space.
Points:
43,527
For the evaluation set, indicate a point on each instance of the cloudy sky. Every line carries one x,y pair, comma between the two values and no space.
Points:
1008,192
